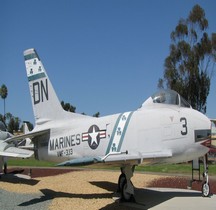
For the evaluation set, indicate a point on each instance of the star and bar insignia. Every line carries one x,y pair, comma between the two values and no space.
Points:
93,136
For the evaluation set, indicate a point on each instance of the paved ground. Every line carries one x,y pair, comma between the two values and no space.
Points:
94,190
19,201
169,199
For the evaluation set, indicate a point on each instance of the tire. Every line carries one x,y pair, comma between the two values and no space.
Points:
121,180
205,189
125,196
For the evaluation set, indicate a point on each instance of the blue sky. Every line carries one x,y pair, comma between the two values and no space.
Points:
100,55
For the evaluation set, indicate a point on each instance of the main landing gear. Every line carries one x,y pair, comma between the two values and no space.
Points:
205,185
125,186
3,165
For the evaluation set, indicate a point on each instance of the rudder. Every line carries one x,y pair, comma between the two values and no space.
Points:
46,105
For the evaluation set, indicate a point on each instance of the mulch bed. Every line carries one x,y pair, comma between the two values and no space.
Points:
168,182
40,172
181,183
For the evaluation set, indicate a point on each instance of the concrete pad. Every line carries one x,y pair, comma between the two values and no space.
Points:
167,199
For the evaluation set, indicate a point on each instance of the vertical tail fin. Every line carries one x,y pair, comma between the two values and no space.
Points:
27,142
46,105
25,128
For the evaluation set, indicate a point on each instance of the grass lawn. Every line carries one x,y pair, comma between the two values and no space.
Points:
184,168
29,162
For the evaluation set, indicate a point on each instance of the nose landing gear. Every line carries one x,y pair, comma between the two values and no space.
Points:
205,185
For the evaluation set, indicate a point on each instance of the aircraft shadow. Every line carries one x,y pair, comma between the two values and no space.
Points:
146,198
152,197
109,186
16,177
51,194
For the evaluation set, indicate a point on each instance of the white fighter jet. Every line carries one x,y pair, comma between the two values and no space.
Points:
10,148
165,129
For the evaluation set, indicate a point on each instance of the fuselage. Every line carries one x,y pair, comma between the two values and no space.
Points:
150,129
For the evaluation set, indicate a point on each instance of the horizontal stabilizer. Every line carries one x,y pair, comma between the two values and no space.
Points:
29,147
16,152
28,135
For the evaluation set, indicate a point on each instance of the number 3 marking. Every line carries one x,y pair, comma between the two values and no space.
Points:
184,125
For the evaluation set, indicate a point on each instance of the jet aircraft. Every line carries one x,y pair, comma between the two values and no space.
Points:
165,129
10,149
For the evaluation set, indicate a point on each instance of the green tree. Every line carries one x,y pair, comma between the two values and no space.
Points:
97,114
13,124
2,119
189,66
68,107
4,93
29,124
8,116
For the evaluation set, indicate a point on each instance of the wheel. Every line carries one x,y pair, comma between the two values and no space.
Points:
205,189
125,196
121,180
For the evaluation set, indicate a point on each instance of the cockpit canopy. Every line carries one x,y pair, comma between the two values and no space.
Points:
169,97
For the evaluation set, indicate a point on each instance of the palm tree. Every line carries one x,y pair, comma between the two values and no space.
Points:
4,93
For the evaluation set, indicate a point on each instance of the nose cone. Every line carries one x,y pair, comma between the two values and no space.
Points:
202,121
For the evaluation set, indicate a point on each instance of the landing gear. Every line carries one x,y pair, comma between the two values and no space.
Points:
3,165
205,189
125,185
5,168
205,185
5,159
121,180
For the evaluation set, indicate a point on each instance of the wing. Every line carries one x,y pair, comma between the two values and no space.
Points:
16,152
118,158
11,151
8,150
